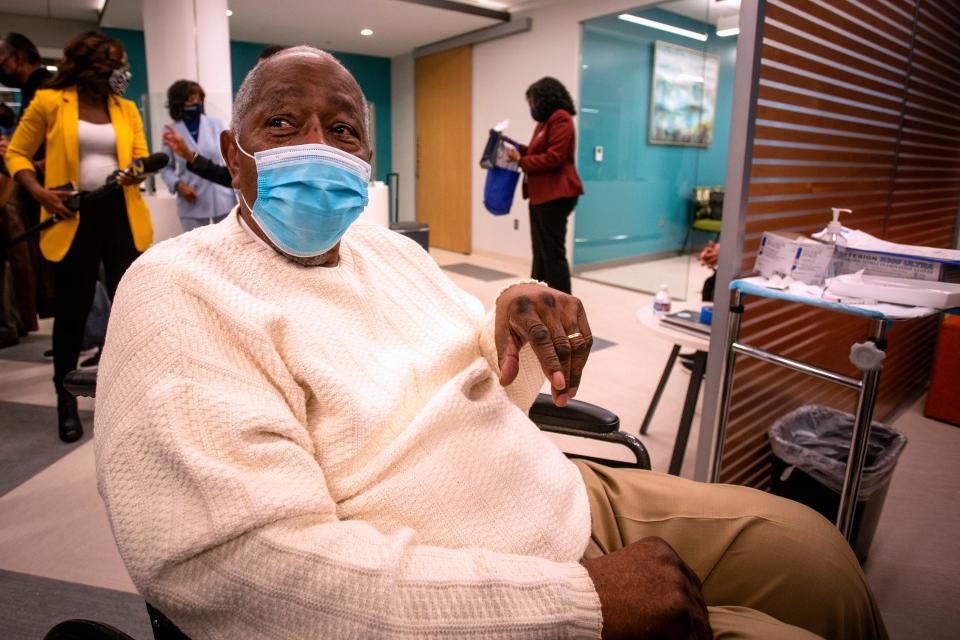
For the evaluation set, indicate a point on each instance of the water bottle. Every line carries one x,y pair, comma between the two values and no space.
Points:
661,302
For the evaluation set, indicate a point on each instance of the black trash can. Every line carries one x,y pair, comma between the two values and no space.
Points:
417,231
811,446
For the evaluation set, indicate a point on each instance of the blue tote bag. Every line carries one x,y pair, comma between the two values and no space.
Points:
499,189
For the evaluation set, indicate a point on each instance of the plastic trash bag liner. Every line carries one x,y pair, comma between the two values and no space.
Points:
816,439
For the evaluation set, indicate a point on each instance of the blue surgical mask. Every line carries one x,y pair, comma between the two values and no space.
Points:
307,196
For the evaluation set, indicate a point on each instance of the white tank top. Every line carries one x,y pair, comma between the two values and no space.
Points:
98,154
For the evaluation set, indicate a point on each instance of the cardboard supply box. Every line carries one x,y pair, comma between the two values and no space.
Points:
799,257
878,263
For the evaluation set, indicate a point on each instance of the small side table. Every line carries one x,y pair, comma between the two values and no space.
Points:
700,344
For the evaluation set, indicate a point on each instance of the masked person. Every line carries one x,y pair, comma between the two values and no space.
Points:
195,161
21,67
90,132
199,201
550,179
11,327
306,430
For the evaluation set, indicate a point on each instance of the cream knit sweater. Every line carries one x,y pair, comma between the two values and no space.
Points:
292,452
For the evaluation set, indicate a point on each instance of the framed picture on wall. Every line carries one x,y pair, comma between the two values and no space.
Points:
683,96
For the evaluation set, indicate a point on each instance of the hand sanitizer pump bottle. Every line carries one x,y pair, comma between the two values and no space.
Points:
835,237
835,229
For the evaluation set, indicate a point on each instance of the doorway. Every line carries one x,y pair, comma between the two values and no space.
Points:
444,92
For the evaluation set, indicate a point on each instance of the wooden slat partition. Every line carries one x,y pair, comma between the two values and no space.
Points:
856,108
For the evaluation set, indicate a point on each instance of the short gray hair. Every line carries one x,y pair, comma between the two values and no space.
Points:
253,83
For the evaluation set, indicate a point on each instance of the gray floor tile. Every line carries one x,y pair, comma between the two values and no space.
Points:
599,344
29,442
30,349
30,606
478,272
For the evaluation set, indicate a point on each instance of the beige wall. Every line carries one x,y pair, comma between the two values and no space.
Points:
502,71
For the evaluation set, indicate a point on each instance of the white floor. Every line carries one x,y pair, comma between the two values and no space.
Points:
913,566
683,276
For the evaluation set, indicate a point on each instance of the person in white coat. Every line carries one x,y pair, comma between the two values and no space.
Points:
199,202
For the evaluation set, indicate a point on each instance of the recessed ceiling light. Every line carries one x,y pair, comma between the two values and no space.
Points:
725,33
229,13
366,32
492,4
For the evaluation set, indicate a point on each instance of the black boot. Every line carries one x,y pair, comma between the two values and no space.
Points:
93,360
70,427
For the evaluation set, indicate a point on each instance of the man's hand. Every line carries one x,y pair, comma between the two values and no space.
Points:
556,327
173,140
131,175
646,591
710,255
187,192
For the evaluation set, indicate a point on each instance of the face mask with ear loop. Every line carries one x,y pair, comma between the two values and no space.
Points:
120,80
308,195
192,111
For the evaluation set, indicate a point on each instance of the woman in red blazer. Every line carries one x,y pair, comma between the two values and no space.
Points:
550,181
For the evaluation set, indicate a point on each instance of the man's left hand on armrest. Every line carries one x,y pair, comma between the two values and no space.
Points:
555,325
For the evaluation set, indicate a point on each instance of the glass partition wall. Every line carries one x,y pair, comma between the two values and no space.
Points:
656,89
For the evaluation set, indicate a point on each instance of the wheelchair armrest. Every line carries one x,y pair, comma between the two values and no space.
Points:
82,382
585,420
578,415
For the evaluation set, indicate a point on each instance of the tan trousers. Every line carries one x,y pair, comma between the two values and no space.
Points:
770,567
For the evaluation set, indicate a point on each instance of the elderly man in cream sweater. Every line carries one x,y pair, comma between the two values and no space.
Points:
305,430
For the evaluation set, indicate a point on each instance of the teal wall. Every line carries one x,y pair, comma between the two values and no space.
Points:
639,185
372,72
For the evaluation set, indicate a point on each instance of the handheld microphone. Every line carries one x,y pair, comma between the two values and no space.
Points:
141,167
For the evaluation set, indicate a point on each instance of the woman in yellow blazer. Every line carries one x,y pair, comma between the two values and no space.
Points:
90,133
